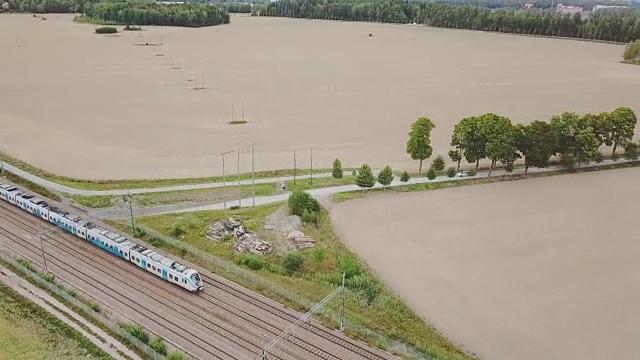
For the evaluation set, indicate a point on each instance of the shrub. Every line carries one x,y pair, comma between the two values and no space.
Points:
310,217
24,263
293,261
438,163
404,177
252,262
137,331
508,168
176,230
337,169
106,30
299,200
318,255
72,292
631,151
366,285
157,242
365,178
451,172
48,277
431,173
138,233
632,52
385,177
176,355
159,346
349,265
94,306
472,172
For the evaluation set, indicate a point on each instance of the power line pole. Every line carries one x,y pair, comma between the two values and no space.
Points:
311,165
239,188
44,259
253,177
224,181
133,225
1,166
294,166
342,303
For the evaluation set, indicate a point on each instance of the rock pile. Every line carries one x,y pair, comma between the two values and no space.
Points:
246,240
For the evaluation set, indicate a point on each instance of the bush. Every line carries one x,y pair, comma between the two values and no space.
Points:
157,242
252,262
176,355
318,255
472,172
137,331
631,151
293,261
431,173
632,52
48,277
385,177
299,200
310,217
106,30
337,169
94,306
451,172
404,177
438,163
349,266
176,230
159,346
138,233
24,263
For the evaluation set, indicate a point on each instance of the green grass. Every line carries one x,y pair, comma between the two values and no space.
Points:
28,185
307,184
369,303
30,332
147,183
87,20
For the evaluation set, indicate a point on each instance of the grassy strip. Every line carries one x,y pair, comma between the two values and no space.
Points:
31,186
207,195
19,308
73,307
87,20
340,197
320,272
147,183
76,321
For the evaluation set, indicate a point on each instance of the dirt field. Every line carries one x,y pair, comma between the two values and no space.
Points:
92,106
534,269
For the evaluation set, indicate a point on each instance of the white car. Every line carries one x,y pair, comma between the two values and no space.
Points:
462,174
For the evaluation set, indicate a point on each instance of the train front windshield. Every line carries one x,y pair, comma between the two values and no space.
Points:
196,279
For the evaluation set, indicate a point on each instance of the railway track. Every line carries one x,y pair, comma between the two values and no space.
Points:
224,311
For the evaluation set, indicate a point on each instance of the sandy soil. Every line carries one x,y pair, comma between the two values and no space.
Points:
92,106
533,269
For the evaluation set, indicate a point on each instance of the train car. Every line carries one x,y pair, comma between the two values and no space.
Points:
149,260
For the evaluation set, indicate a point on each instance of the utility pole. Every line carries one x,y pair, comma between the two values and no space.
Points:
242,111
253,177
342,303
1,166
231,112
239,188
311,165
294,166
44,259
133,225
224,181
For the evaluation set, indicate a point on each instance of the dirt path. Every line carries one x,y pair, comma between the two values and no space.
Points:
38,296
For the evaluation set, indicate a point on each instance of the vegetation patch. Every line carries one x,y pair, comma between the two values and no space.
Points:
106,30
28,185
632,53
313,273
146,13
28,331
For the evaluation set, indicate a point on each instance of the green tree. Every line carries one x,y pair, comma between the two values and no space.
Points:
470,139
365,178
431,173
501,140
586,146
404,177
300,200
337,169
385,177
419,143
536,142
623,122
438,163
456,157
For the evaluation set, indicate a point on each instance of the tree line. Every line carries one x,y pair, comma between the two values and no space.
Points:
540,4
127,12
620,25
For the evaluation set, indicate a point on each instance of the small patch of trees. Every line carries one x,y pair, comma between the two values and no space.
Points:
141,13
419,143
301,203
385,177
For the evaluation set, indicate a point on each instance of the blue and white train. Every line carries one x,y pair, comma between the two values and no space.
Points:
118,245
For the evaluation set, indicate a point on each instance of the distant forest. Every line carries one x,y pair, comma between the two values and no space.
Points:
619,25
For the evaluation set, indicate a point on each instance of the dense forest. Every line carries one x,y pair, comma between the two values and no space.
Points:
190,15
620,25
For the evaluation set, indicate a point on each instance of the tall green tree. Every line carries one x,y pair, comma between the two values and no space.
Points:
469,137
501,139
419,143
385,177
365,178
536,142
623,127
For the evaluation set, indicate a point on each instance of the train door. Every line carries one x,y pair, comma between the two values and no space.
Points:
164,274
144,264
74,231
